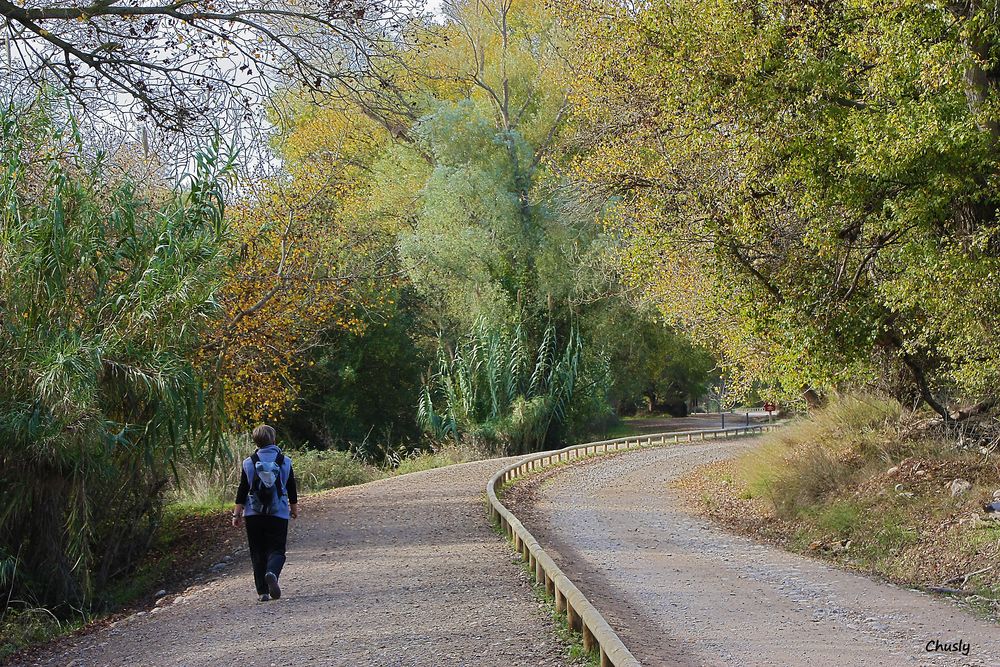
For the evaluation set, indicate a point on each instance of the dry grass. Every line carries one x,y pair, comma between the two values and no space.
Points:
801,463
442,456
200,487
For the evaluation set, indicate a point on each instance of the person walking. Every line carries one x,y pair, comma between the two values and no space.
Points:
266,500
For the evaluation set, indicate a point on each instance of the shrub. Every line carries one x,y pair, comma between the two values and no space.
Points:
493,387
802,462
105,297
321,470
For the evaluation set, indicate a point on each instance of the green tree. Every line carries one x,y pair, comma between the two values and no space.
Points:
489,230
105,291
362,388
810,189
482,223
473,248
654,368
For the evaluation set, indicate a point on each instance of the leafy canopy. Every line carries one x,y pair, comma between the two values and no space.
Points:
810,189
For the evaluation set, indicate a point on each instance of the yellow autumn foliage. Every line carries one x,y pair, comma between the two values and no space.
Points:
308,263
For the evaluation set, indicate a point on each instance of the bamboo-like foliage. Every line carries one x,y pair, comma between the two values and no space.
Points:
494,388
103,297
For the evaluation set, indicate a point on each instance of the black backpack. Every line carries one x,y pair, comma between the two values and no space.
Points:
266,490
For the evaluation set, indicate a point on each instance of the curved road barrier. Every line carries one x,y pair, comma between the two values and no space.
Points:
580,614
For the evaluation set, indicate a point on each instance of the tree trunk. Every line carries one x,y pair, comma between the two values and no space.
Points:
892,341
47,541
812,397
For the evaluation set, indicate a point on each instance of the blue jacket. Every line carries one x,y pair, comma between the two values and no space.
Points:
269,453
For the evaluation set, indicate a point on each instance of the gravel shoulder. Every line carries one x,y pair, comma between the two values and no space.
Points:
681,591
402,571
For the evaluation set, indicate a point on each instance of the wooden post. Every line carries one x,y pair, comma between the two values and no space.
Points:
588,639
572,618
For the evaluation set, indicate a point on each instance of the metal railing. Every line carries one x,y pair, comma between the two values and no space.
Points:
581,615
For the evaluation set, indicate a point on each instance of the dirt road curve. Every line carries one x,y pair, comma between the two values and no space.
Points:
682,592
403,571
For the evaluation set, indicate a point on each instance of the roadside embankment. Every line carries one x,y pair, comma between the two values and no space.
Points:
866,486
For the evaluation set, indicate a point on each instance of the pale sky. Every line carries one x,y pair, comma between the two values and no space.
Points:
434,6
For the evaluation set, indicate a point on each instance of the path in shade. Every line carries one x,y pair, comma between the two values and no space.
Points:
403,571
681,591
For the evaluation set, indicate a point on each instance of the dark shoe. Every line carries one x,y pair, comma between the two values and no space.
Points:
264,597
272,585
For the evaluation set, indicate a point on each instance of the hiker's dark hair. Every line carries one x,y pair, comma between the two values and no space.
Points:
264,435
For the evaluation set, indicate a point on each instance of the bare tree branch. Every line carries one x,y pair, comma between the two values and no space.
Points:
195,66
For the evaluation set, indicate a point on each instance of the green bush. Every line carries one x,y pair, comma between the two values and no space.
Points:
106,292
321,470
494,387
361,386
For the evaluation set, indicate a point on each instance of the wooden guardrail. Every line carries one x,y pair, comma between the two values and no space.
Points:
581,615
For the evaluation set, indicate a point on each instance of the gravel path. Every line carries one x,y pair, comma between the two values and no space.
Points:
403,571
681,591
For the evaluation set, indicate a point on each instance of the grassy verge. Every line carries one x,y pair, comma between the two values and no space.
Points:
570,638
869,487
24,625
626,428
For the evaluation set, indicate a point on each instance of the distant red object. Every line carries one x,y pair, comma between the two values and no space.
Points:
770,407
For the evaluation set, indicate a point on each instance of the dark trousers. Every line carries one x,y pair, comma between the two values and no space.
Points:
266,536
